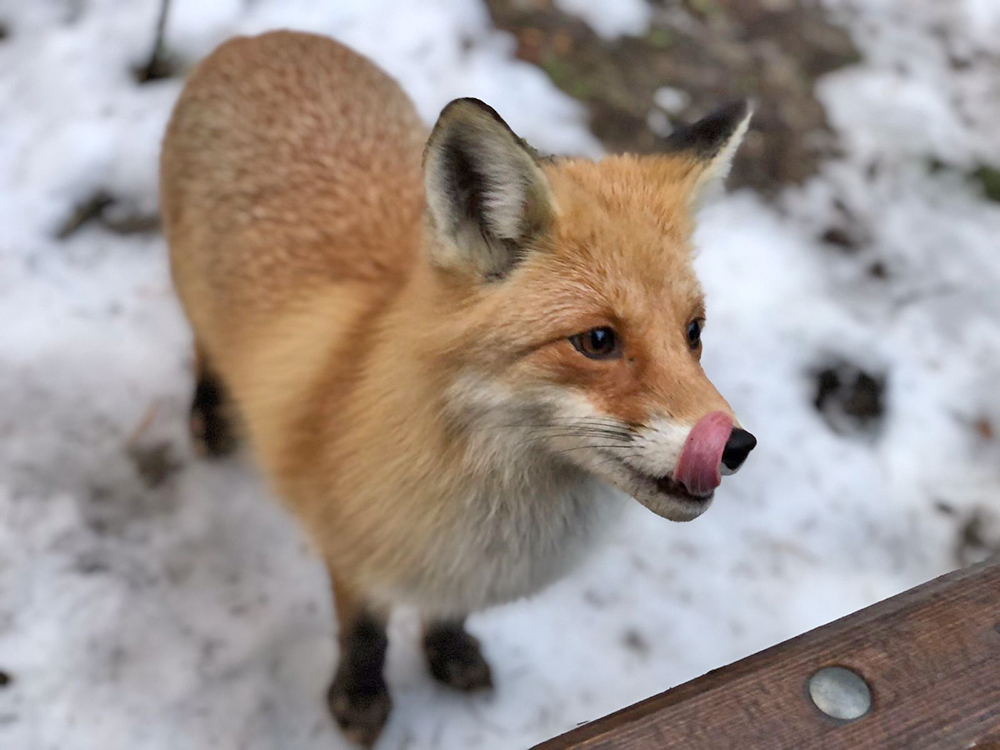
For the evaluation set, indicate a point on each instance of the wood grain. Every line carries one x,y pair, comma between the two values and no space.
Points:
931,657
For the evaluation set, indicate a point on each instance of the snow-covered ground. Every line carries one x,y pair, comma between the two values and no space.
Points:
179,607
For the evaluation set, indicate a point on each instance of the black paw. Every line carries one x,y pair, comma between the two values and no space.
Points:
454,658
211,429
361,712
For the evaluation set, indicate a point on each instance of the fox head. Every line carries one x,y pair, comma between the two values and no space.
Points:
569,316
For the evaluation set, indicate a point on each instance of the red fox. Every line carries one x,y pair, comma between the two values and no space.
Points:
442,346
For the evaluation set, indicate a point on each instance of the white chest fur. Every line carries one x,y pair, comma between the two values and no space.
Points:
505,542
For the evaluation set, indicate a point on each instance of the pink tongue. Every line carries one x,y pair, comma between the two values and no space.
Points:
699,467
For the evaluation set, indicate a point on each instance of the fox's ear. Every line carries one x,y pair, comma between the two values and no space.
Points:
710,144
486,195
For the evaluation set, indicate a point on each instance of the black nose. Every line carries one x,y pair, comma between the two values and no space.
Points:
737,449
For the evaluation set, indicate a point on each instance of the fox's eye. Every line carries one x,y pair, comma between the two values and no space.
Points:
694,332
597,343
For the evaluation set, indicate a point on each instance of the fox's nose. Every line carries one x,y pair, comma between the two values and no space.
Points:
737,449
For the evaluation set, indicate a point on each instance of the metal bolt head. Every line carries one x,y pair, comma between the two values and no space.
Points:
840,693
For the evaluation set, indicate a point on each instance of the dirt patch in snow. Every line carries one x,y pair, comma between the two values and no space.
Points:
696,55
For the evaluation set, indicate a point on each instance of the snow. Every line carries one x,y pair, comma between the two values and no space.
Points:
611,19
193,614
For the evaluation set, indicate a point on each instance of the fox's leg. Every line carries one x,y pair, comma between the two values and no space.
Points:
212,429
454,657
359,698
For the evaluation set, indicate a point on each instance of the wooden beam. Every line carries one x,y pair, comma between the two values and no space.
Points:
930,656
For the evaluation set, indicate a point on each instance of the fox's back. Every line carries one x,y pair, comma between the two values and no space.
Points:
291,165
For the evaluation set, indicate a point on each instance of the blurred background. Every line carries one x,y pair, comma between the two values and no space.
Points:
150,600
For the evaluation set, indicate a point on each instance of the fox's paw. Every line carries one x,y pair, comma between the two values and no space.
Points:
212,432
454,658
361,712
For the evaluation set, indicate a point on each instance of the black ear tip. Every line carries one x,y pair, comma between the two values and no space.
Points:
707,136
469,105
734,111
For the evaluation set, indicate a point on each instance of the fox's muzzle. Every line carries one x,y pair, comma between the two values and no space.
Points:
712,447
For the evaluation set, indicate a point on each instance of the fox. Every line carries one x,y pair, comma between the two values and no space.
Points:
452,357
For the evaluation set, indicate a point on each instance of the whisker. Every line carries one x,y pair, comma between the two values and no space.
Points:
618,461
529,441
576,430
587,447
551,434
599,422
